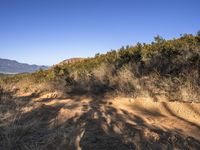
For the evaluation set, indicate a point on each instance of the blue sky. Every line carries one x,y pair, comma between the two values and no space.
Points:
49,31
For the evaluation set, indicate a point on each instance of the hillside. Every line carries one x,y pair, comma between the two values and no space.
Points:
71,60
137,97
169,68
12,67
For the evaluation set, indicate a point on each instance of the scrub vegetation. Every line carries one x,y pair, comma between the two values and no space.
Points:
165,67
137,97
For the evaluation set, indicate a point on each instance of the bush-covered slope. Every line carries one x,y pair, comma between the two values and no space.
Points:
164,68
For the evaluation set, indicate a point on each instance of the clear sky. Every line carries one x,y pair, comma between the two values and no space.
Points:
49,31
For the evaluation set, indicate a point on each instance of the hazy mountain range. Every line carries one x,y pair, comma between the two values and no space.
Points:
12,67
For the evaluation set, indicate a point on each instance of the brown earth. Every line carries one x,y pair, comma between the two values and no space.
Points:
103,123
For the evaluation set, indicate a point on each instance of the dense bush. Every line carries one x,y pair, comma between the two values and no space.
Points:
132,69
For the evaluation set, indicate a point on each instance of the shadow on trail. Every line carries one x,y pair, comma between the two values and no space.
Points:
178,117
99,127
103,127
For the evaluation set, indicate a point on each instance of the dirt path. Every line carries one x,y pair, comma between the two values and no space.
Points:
121,123
101,123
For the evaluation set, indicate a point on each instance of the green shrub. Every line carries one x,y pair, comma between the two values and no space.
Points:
166,59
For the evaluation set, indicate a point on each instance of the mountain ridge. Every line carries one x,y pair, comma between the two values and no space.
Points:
8,66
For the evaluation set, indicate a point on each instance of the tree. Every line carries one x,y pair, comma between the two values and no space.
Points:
198,33
97,54
159,39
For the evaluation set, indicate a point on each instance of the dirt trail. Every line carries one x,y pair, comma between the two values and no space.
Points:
125,124
102,123
184,117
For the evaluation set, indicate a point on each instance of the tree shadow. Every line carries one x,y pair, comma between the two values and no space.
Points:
102,127
99,126
178,117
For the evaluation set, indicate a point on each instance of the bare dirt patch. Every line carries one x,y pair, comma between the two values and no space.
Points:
99,122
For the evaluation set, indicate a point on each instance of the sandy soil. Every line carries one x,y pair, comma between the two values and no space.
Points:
103,123
123,123
184,117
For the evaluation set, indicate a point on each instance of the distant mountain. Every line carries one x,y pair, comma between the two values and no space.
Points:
12,67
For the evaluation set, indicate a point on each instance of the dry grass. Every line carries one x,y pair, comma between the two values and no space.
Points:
95,122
